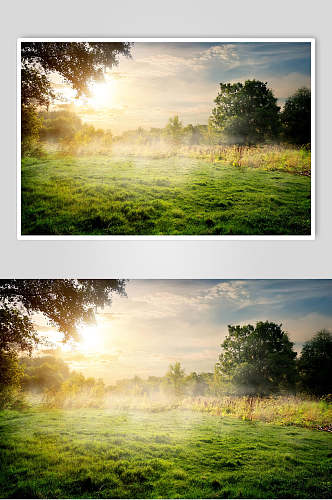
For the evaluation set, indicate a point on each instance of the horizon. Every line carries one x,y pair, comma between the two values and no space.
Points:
133,94
139,334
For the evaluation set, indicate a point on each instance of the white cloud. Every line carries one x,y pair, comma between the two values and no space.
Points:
229,290
227,54
163,79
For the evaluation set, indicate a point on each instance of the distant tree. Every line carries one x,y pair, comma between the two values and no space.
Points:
296,117
57,125
43,372
218,383
246,113
315,364
257,359
198,383
174,130
189,134
211,133
175,378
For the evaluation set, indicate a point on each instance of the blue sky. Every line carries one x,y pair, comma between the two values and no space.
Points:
163,321
163,79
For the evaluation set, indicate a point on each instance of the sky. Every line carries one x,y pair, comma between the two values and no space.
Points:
164,321
164,79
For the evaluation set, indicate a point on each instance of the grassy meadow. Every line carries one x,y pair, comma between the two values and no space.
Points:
102,453
227,191
216,156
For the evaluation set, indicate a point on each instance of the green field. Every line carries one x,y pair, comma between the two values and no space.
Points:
173,454
105,195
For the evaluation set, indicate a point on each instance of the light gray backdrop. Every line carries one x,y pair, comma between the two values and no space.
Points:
166,259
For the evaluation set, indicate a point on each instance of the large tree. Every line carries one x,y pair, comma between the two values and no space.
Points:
246,113
315,364
296,117
257,359
77,63
66,303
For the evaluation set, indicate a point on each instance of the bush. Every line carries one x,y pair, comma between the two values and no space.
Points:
10,379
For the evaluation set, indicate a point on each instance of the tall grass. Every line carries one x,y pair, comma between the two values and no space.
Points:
282,410
272,157
282,158
285,410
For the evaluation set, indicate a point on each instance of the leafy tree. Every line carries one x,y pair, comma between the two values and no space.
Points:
66,303
212,135
174,130
43,372
246,113
175,379
258,359
192,134
31,124
10,378
77,63
57,125
315,364
296,117
198,383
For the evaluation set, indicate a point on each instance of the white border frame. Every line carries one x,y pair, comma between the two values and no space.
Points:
171,237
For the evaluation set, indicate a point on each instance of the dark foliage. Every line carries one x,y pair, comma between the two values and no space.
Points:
258,359
65,303
78,63
296,118
246,113
315,364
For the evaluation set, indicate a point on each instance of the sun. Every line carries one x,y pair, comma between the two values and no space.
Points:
90,339
102,94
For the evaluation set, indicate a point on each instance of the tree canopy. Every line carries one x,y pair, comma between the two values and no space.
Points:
315,364
246,112
296,117
78,63
257,359
66,303
176,378
174,130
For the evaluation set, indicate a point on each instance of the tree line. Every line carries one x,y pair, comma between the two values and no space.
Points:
229,124
255,359
244,113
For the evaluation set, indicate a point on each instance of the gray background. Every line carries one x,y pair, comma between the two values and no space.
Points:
166,259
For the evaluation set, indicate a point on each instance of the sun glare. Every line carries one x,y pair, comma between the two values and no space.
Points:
90,339
102,94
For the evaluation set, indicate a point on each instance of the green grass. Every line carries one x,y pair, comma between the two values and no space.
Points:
104,195
176,454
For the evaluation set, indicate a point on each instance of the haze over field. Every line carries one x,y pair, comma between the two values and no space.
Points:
134,135
164,79
162,321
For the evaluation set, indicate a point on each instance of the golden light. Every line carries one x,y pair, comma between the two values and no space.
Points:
102,93
90,339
